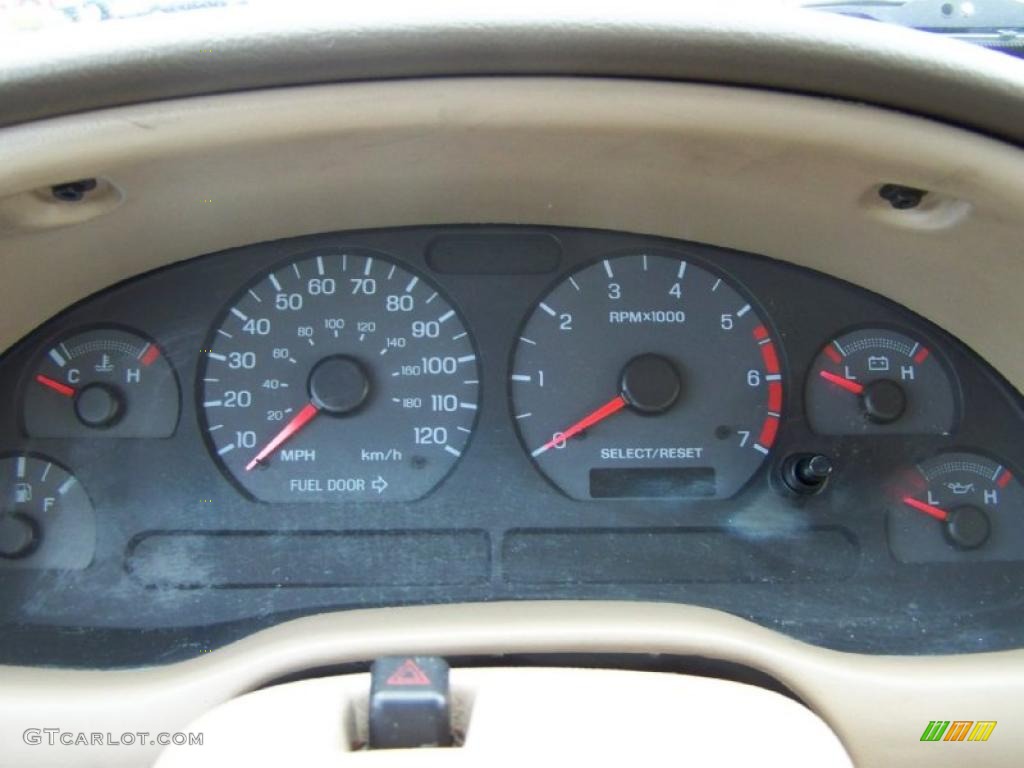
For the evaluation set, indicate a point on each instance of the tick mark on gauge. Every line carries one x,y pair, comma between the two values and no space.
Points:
466,358
431,298
369,265
391,272
452,451
319,265
295,268
682,271
573,283
66,486
239,314
528,341
46,471
213,403
446,316
464,429
521,377
226,449
468,406
255,295
523,416
412,284
743,310
224,333
215,427
608,269
715,286
458,336
548,309
216,356
275,282
57,358
470,381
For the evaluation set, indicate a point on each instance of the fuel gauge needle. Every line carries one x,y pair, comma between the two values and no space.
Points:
292,428
602,413
928,509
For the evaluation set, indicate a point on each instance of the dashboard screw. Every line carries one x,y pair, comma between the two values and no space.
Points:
73,191
900,197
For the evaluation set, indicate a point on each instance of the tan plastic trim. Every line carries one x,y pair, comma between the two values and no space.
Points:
512,715
879,706
791,177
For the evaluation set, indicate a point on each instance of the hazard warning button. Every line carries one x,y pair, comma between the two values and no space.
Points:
409,703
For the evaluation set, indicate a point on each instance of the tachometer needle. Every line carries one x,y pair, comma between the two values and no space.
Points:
928,509
292,428
842,381
55,385
602,413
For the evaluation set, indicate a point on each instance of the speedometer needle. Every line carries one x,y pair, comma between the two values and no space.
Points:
928,509
292,428
602,413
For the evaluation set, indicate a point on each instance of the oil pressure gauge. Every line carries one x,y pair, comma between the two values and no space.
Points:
954,507
104,382
879,381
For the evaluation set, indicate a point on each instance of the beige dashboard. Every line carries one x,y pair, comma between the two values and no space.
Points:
791,177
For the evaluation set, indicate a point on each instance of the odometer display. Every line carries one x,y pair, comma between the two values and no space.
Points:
644,376
340,376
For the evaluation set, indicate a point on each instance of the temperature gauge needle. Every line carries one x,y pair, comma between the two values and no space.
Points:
292,428
602,413
55,385
928,509
841,381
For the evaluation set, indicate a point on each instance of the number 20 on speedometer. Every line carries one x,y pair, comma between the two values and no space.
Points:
645,376
339,376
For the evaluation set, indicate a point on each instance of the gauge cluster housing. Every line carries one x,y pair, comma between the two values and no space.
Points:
182,553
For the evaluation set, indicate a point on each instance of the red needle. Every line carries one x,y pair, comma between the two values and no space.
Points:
55,385
602,413
292,428
928,509
849,386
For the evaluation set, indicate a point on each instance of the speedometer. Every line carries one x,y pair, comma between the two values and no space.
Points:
644,376
339,376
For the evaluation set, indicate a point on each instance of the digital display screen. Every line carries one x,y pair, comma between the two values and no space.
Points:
653,483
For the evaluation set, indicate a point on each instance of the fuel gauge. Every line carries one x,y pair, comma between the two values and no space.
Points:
105,382
879,381
957,506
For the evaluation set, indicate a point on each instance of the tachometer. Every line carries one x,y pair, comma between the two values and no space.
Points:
643,376
339,376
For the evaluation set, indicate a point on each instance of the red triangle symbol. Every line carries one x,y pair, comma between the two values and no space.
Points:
408,673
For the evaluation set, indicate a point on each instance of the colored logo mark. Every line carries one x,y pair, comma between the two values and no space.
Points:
958,730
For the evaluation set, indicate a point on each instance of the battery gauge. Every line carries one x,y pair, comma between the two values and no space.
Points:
104,382
879,381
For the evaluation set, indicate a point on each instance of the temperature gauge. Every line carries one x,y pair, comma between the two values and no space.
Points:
957,506
104,382
46,518
875,381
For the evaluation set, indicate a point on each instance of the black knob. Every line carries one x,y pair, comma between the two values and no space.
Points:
967,527
339,385
884,401
650,383
19,536
99,406
806,473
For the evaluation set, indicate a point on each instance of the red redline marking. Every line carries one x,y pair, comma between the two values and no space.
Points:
56,386
922,355
928,509
832,354
842,381
769,431
1004,479
775,396
760,332
771,360
151,355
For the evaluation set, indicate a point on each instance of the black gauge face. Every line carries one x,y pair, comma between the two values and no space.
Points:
876,381
643,376
955,507
340,376
46,518
104,382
